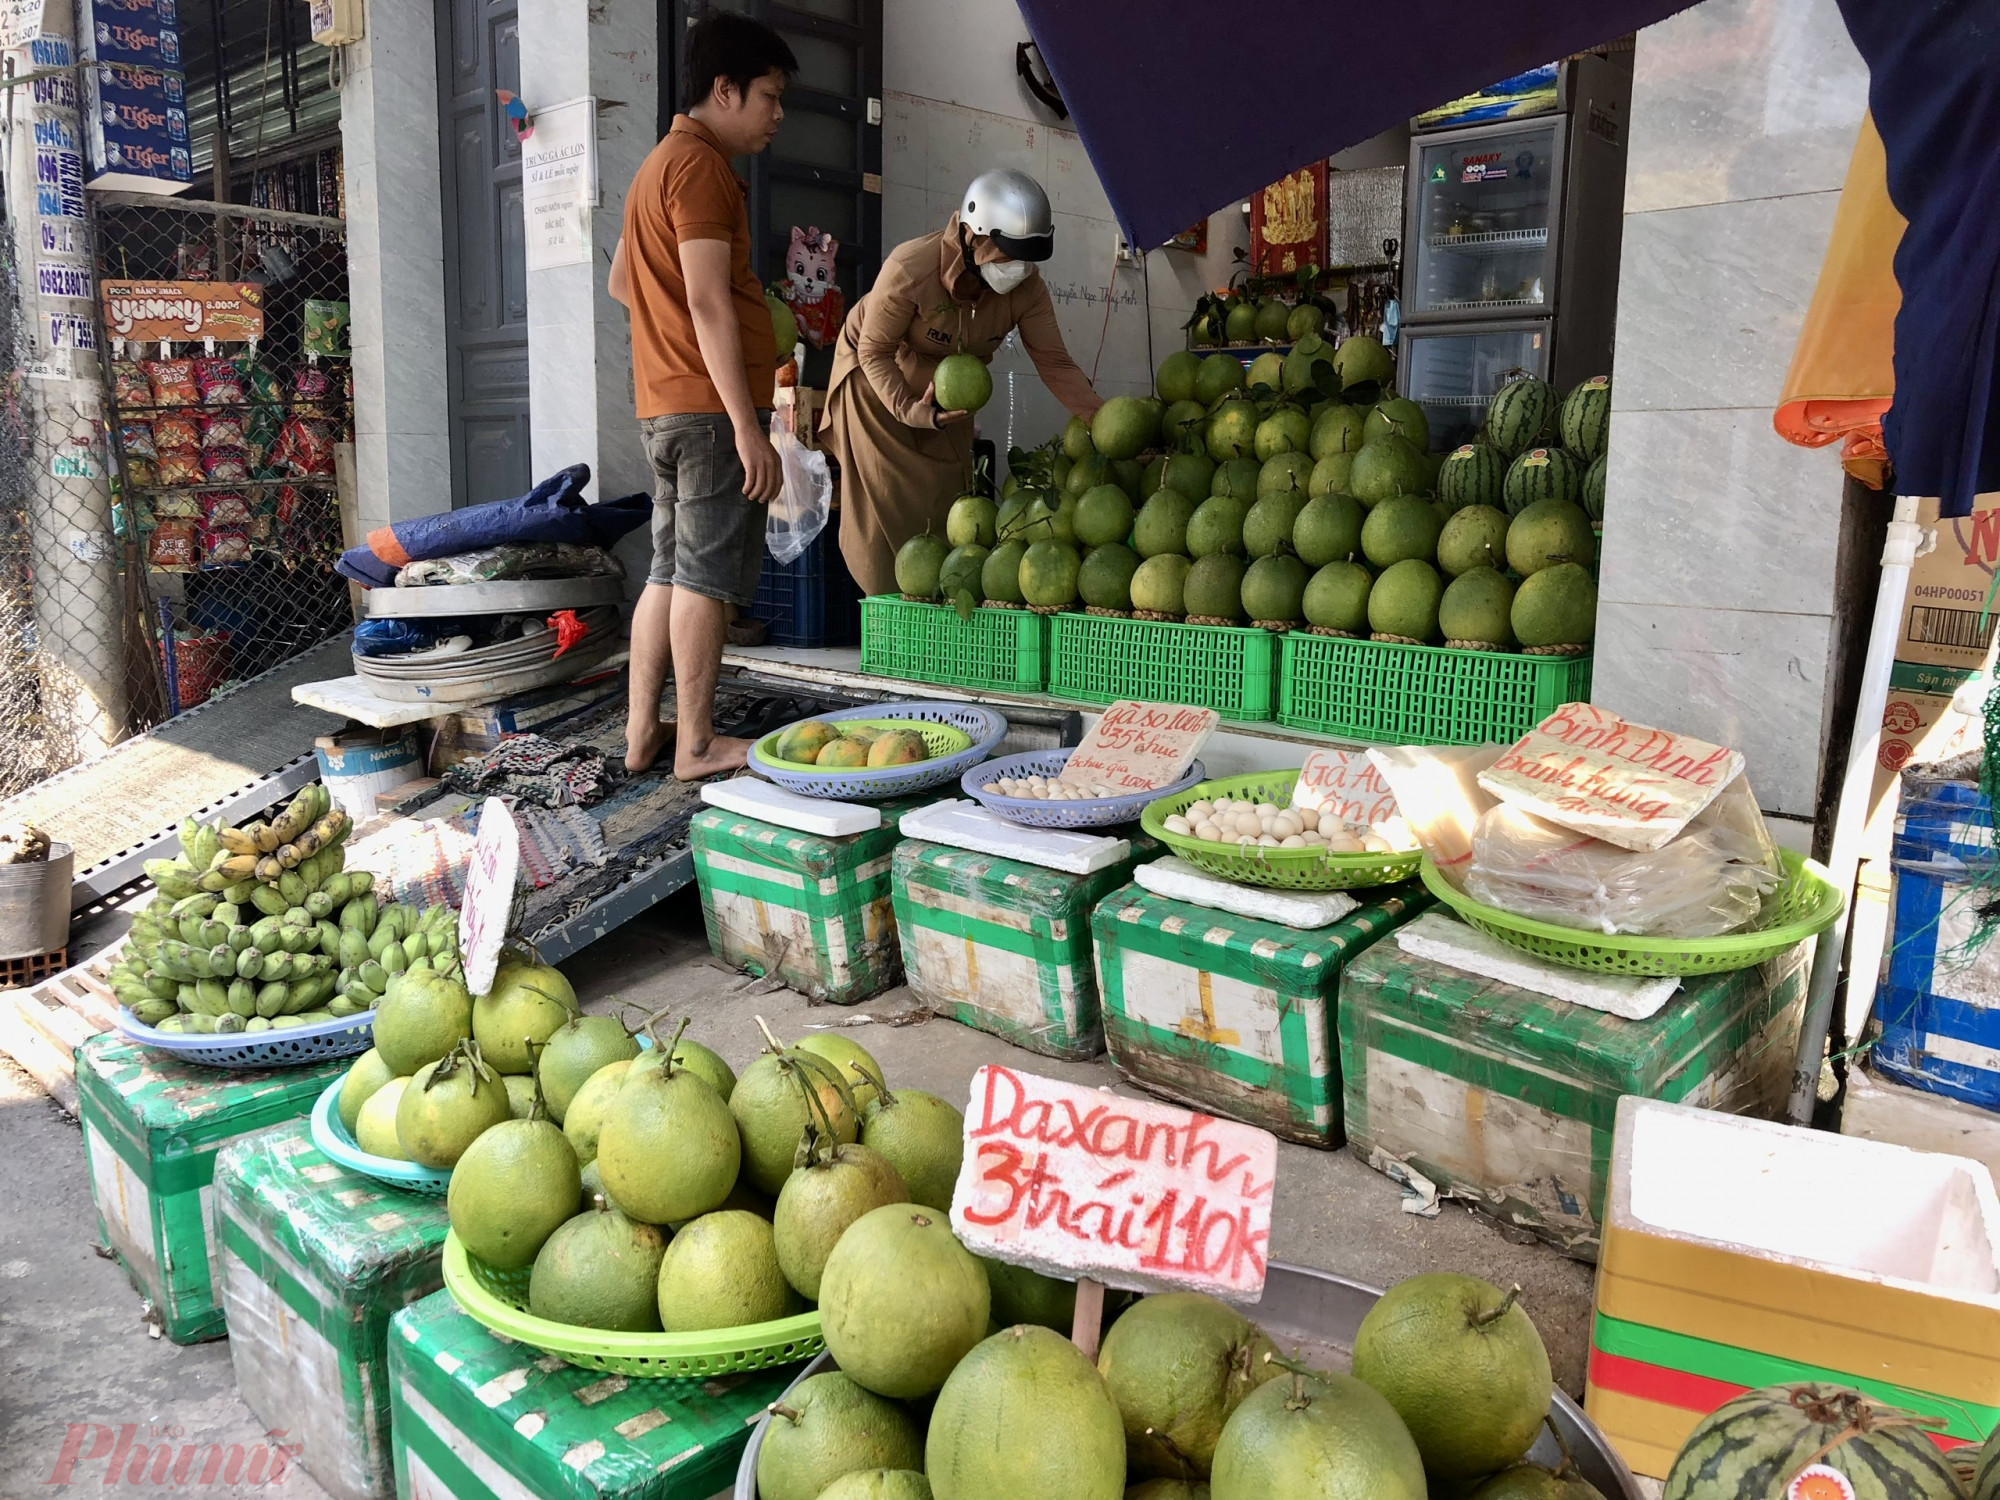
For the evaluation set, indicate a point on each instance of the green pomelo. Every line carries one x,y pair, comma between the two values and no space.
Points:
1306,318
1076,443
576,1050
1388,467
1337,597
1000,578
901,1301
375,1122
1219,375
1123,426
963,571
584,1120
520,1093
879,1484
1316,1437
1026,1414
962,383
1550,532
1236,478
827,1426
1105,579
1232,430
1129,475
1527,1481
1217,526
1593,488
668,1149
1269,525
423,1015
721,1271
526,1004
1403,526
1191,473
922,1137
1302,366
367,1074
1048,574
600,1270
1521,414
771,1114
1060,470
1007,523
1404,600
854,1063
1274,588
1178,1365
1475,537
514,1187
1584,419
689,1054
1329,530
1462,1364
1176,376
1753,1447
1087,473
448,1105
784,325
1284,431
1240,326
1160,584
1184,423
1285,473
1024,1296
1103,514
1401,417
1273,317
1214,587
919,561
972,518
1330,475
1267,370
818,1202
1337,429
1478,606
1168,1489
1150,481
1541,474
1472,474
1361,360
1556,607
1162,523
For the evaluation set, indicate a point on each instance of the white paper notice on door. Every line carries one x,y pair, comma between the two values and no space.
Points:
559,184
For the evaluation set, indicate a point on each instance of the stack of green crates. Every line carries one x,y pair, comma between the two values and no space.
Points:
1232,669
1005,650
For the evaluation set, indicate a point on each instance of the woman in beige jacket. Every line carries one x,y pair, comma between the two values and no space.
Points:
902,460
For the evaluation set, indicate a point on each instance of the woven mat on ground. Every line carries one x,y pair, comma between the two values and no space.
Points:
528,768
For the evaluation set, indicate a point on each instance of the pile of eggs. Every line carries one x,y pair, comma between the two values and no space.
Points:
1048,789
1238,820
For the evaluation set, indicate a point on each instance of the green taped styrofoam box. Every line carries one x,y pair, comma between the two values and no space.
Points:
812,909
314,1261
1005,946
1232,1015
151,1130
1507,1098
482,1418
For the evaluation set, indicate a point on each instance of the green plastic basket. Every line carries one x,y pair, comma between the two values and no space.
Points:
1232,669
1003,649
499,1300
939,740
1804,905
1259,864
1422,695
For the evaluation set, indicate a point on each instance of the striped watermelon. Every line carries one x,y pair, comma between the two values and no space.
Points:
1471,475
1521,414
1763,1446
1541,474
1586,417
1985,1483
1593,488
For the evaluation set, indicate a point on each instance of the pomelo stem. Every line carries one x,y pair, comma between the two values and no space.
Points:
1088,1325
1480,1320
674,1045
538,1107
771,1041
880,1083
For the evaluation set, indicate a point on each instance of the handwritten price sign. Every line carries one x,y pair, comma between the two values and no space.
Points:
1138,746
489,894
1346,785
1076,1182
1589,770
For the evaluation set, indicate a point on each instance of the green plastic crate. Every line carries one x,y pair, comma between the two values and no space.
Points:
1422,695
1004,649
1232,669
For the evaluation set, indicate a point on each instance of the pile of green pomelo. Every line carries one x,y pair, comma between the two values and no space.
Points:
1299,495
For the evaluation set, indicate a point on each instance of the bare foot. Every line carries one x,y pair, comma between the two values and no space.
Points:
720,754
646,743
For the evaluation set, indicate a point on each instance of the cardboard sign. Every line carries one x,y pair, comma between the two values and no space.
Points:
147,311
1078,1182
1345,783
1587,769
1136,747
489,894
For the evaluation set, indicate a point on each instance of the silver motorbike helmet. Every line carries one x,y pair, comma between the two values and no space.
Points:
1010,208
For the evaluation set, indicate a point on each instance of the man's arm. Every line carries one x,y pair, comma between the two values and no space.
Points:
705,269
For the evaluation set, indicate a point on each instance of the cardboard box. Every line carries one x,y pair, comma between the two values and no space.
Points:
146,32
1919,725
136,127
1950,589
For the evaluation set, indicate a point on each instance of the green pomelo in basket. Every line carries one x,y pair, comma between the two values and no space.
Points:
1328,530
1267,370
1087,473
1593,487
1330,475
1104,514
600,1270
1000,577
1477,606
1219,375
1285,473
721,1271
1159,587
784,325
772,1115
962,383
901,1301
1401,417
1238,478
1232,430
422,1016
1048,574
364,1076
668,1148
1269,524
1462,1364
1240,325
742,1198
827,1426
1361,360
1584,419
1273,318
1177,1366
520,1093
1471,474
576,1050
1556,607
514,1187
1274,588
1401,527
1124,425
1168,1489
1521,414
1541,474
1217,526
1105,579
1184,423
375,1121
1301,371
921,1136
1076,443
817,1203
972,518
1284,431
526,1005
1753,1446
879,1484
919,561
854,1063
1174,380
1525,1481
1129,475
963,572
1307,317
1385,468
1337,429
1162,523
1316,1437
1336,597
1193,474
1475,537
1404,600
448,1105
1550,532
1025,1414
1024,1296
1214,587
584,1120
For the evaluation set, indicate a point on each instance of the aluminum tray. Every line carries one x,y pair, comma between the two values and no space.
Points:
525,596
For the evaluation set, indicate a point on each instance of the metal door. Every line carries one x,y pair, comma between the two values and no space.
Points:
485,257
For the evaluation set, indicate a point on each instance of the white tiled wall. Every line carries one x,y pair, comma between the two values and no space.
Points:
1717,581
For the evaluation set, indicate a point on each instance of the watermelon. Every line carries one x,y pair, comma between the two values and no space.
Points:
1757,1446
1985,1482
1585,418
1521,414
1471,475
1541,474
1593,489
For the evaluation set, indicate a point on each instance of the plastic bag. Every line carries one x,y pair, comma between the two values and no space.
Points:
798,515
1438,793
1709,880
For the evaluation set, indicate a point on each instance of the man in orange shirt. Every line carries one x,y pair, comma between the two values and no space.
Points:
704,360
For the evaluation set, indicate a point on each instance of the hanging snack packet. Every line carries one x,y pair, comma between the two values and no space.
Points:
225,545
224,430
173,382
137,440
182,466
130,385
227,508
259,384
173,545
219,381
225,465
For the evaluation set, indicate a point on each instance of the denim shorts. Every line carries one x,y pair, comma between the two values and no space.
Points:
708,536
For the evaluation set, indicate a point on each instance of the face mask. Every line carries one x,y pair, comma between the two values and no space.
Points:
1004,275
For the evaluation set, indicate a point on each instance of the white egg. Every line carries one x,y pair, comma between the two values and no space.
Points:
1292,841
1313,836
1308,817
1177,824
1267,841
1248,823
1285,825
1200,808
1343,843
1376,843
1208,832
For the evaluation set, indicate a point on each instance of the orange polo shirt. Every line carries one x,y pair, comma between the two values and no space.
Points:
686,190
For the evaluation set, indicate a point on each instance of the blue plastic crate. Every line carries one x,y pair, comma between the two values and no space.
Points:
810,601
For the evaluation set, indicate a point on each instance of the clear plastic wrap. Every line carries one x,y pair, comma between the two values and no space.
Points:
513,560
1438,793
